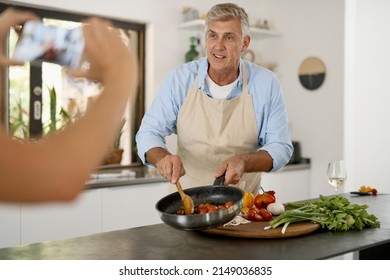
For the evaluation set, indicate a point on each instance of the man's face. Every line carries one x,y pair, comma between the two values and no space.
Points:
224,44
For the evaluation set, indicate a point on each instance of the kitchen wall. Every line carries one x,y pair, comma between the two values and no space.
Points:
367,93
310,28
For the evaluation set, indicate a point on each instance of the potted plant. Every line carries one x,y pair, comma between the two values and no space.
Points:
18,122
56,122
114,155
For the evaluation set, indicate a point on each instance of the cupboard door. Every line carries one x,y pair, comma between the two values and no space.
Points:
132,206
62,220
289,185
10,225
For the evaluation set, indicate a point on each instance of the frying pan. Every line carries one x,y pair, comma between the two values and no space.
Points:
216,193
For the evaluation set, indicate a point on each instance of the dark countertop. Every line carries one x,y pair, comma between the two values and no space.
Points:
141,174
138,174
161,242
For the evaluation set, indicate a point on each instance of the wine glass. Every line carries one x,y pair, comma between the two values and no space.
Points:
337,173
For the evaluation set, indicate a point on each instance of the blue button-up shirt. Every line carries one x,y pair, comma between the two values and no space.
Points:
268,101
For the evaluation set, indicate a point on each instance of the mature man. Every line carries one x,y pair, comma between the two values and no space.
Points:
229,114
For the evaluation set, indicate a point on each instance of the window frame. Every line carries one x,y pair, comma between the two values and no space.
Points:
36,72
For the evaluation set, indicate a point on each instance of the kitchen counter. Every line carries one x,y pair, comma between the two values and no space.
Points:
161,242
116,176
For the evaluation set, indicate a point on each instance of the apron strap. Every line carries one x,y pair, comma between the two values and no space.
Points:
244,79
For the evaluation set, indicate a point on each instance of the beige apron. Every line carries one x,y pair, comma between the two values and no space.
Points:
209,131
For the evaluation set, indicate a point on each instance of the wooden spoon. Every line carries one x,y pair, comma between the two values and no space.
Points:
188,203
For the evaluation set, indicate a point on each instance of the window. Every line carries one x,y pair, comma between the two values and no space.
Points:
37,99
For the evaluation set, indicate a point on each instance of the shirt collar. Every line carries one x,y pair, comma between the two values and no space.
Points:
202,72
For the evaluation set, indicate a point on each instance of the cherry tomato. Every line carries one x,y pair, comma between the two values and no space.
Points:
228,204
265,214
251,214
201,206
211,208
258,217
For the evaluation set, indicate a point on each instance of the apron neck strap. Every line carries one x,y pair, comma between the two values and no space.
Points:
244,79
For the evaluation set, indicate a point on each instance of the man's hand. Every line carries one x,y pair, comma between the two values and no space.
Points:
171,168
10,18
233,168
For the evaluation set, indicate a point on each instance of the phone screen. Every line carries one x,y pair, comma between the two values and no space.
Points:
39,42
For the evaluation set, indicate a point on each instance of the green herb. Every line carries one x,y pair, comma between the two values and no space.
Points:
333,213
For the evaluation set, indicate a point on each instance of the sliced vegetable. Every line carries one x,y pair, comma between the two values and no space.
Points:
238,220
368,189
247,201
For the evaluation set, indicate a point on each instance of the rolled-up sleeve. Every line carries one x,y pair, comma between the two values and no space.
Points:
160,120
274,131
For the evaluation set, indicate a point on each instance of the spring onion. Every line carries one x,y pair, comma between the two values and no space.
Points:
334,213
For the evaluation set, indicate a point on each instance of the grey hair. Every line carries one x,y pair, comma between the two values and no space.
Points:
227,11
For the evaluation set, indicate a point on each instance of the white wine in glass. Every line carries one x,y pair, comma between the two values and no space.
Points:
337,174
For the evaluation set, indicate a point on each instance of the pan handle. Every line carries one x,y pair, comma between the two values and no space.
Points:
219,181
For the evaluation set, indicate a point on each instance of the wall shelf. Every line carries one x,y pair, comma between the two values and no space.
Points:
197,25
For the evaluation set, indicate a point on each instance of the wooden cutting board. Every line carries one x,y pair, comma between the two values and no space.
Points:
256,230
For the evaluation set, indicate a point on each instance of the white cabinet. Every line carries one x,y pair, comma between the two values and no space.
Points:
94,211
27,223
9,225
289,185
131,206
62,220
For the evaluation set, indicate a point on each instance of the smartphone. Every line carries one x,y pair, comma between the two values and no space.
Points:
40,42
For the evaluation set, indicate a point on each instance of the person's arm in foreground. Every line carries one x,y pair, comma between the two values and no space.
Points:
57,167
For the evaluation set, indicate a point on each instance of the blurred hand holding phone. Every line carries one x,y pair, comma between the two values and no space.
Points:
39,42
